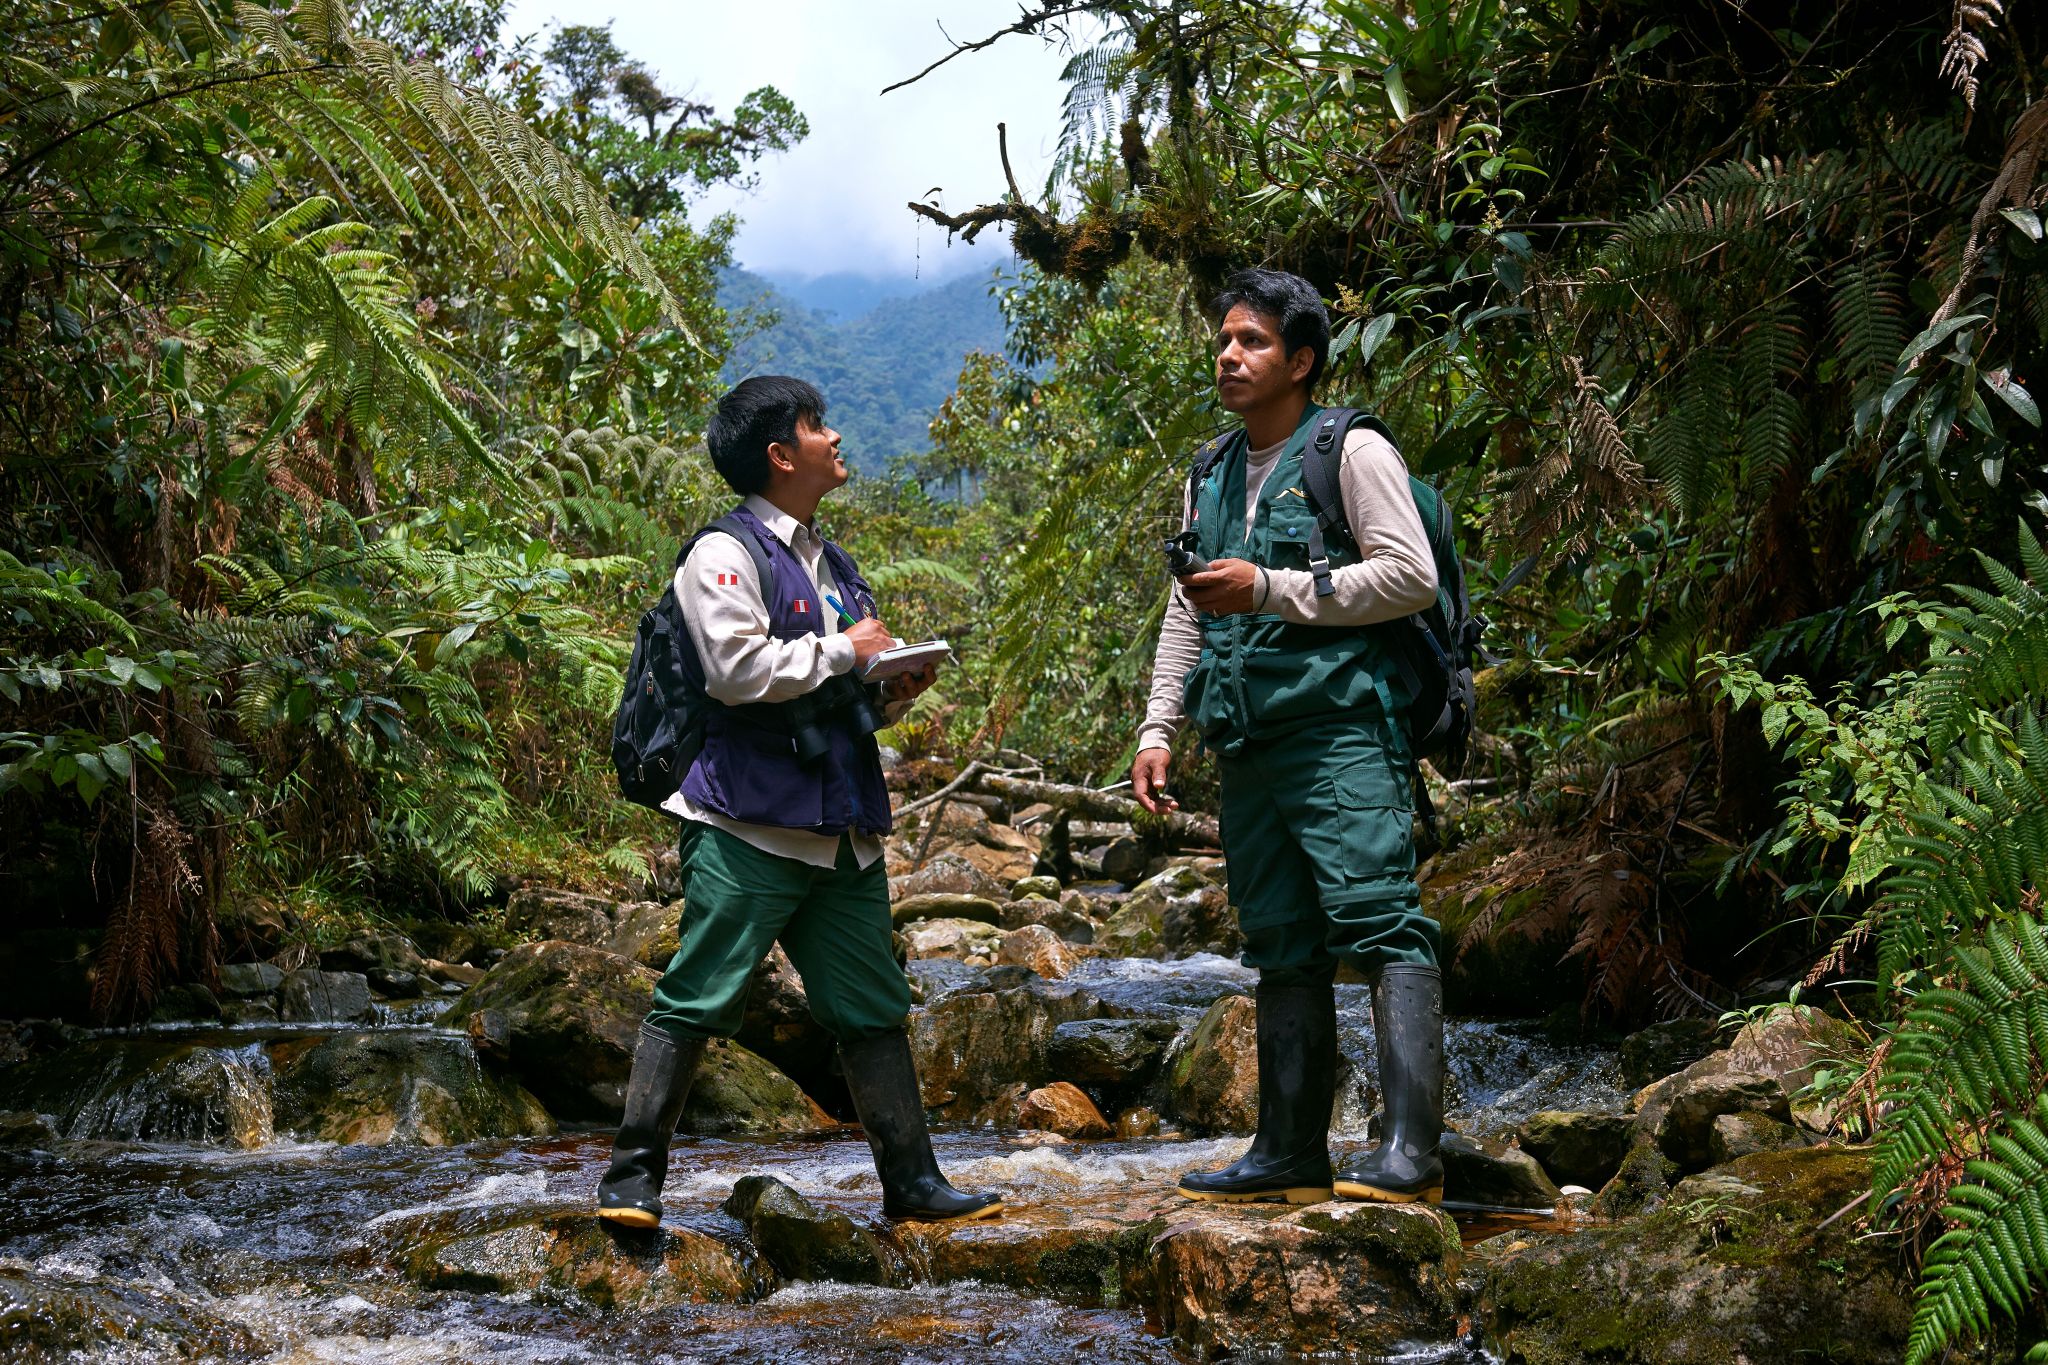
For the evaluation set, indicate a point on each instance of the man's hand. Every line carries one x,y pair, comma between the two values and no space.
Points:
908,686
1229,585
1148,781
870,637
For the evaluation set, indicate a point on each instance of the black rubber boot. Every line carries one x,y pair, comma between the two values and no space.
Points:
1290,1158
630,1193
882,1079
1408,1019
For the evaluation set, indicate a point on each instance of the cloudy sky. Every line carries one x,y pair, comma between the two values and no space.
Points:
836,202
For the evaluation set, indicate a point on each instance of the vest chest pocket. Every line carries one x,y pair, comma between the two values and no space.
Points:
1287,527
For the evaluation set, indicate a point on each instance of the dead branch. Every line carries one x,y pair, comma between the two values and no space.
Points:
1193,830
1028,23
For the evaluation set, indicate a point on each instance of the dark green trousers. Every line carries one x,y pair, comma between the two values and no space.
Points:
833,923
1318,832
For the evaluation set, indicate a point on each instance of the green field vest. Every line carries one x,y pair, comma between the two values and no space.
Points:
1259,674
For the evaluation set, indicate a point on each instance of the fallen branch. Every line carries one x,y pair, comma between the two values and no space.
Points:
1195,830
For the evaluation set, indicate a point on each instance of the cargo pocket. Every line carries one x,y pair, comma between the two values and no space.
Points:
1376,810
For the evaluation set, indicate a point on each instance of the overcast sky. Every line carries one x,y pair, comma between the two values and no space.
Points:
836,202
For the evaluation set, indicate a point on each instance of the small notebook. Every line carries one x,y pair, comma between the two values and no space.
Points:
905,659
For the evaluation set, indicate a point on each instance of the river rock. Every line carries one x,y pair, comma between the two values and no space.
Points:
244,979
739,1092
1639,1185
1200,922
572,1015
539,913
1044,888
69,1317
1213,1081
1004,853
407,1088
1062,1108
1138,1121
1113,1054
1132,930
1678,1112
963,940
1745,1134
1358,1277
1735,1267
452,973
1038,948
1069,925
22,1129
152,1088
948,874
980,1049
646,931
945,905
568,1252
1793,1044
1482,1171
318,997
808,1241
372,949
1137,928
448,942
1661,1049
1577,1149
778,1026
396,985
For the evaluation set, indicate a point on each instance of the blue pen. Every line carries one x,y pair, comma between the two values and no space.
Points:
844,614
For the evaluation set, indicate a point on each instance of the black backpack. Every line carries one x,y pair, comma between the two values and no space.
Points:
659,729
1435,650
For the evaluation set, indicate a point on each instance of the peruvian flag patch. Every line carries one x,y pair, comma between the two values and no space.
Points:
728,580
801,607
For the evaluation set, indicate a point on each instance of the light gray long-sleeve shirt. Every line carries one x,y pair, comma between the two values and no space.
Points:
719,592
1395,575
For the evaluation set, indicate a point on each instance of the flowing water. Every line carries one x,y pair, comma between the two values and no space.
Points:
301,1243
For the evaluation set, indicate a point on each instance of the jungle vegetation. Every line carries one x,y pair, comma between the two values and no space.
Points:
351,365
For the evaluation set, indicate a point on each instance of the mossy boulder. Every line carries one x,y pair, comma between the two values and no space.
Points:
981,1049
1735,1267
739,1092
804,1240
152,1088
1575,1148
410,1088
1664,1048
568,1252
541,913
571,1015
1213,1079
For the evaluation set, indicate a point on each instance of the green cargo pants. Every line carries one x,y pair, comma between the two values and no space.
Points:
1318,833
833,923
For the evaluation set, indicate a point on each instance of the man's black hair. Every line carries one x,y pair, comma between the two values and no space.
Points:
1288,299
758,413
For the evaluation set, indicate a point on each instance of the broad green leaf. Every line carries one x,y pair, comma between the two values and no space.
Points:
1935,335
1375,333
2016,397
1397,91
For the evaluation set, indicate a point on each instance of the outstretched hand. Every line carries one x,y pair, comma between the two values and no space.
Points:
1148,781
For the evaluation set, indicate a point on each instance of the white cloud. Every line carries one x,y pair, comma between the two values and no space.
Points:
836,202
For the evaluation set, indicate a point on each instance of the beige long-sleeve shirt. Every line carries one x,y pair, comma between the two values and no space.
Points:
720,595
1395,575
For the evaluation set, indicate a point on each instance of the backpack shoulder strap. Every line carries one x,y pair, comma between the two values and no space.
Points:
1320,463
1207,456
730,524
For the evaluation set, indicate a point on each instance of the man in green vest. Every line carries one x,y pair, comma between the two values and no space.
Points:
1295,695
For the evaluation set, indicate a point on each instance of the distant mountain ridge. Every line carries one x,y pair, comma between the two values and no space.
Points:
884,369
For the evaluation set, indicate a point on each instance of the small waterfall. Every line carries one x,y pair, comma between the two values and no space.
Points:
170,1092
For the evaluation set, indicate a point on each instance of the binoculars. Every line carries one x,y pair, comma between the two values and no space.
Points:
808,735
1181,559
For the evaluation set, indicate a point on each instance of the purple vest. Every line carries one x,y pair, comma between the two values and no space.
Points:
748,769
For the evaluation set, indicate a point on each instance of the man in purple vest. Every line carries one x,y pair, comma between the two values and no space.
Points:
784,811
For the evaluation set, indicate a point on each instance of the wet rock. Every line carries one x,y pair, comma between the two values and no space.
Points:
778,1025
948,874
945,905
1481,1171
1735,1267
244,979
568,1252
1123,859
1661,1049
1200,922
1213,1081
647,932
571,1015
371,950
1137,1122
22,1128
319,997
1045,888
1137,927
1354,1276
251,1013
50,1318
452,973
1132,930
964,940
540,913
1038,948
807,1241
148,1089
185,1001
979,1050
489,1033
438,939
1740,1135
1639,1186
404,1088
1678,1112
739,1092
396,985
1114,1054
1577,1149
1070,925
1063,1109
